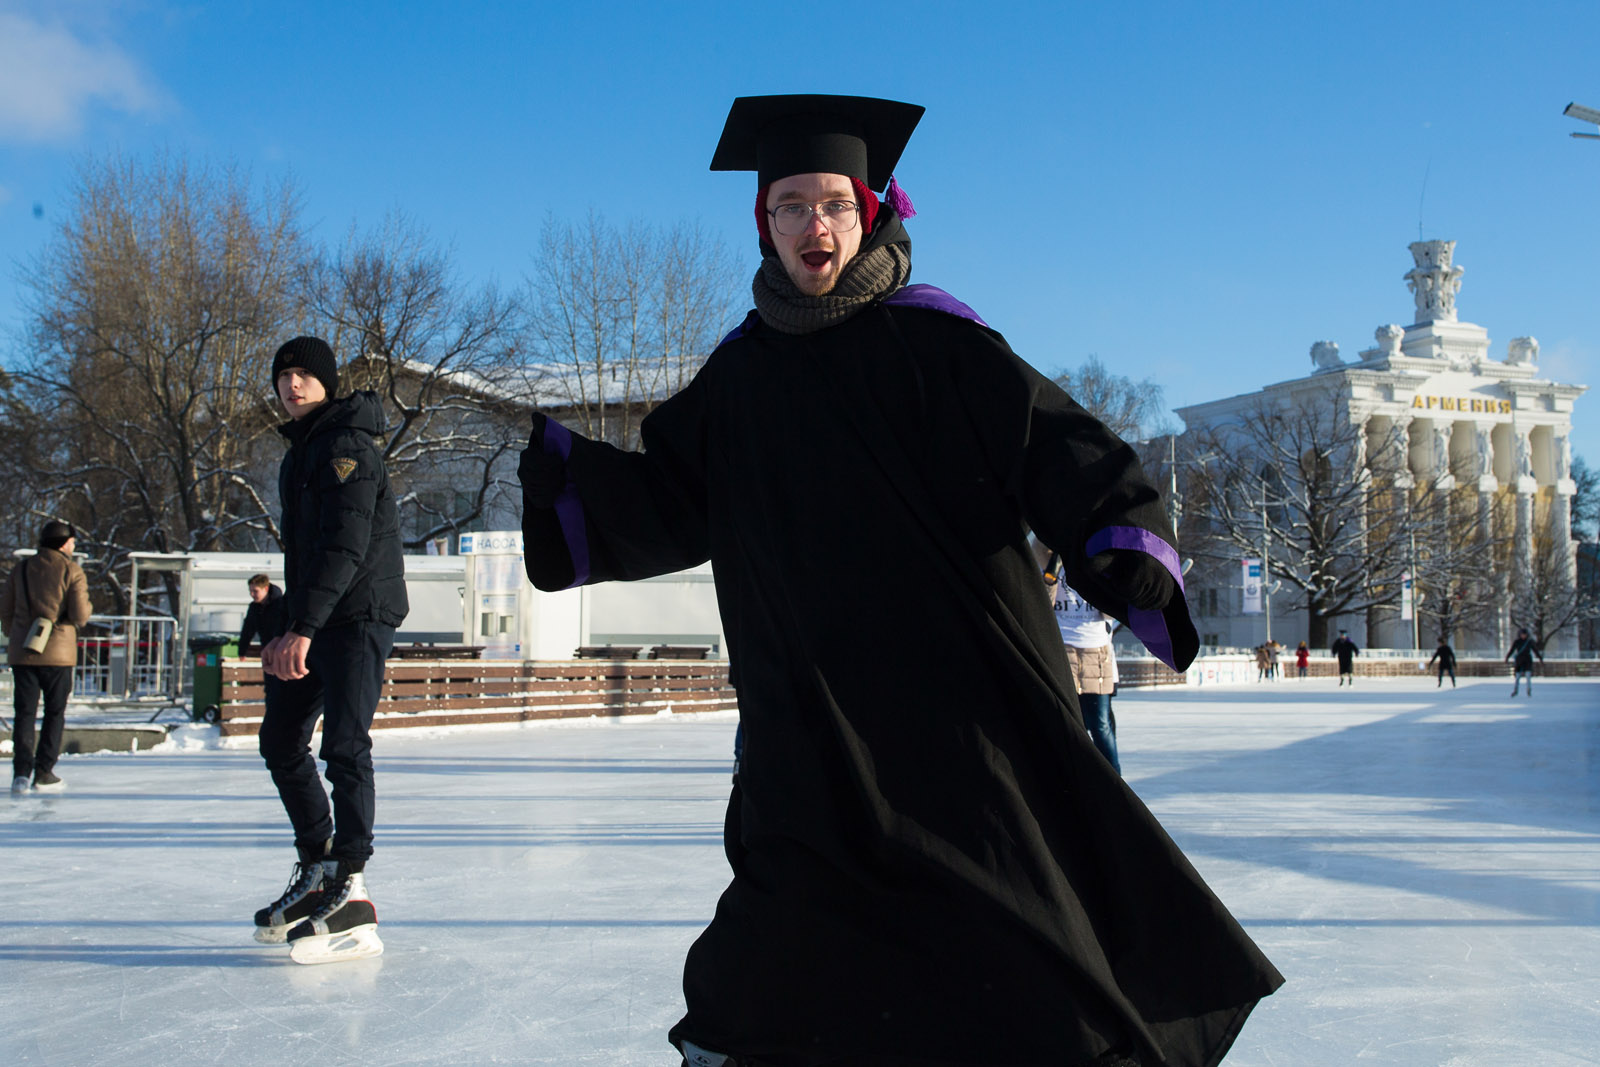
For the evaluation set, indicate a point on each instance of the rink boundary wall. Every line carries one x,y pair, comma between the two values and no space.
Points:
469,692
1141,672
427,693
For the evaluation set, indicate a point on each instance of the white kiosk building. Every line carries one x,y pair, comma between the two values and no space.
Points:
1491,432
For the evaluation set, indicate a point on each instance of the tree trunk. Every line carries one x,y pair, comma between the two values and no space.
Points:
1318,625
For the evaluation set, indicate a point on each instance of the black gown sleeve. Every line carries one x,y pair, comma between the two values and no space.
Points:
1083,491
622,515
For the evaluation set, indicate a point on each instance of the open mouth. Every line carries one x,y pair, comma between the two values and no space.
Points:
816,260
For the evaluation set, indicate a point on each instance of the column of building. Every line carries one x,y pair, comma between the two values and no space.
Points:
1561,532
1524,488
1488,486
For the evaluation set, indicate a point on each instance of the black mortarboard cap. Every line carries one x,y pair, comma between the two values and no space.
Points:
776,136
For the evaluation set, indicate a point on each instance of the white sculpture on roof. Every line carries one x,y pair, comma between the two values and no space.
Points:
1434,281
1523,351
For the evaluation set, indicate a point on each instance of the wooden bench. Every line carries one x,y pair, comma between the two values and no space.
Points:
607,651
680,651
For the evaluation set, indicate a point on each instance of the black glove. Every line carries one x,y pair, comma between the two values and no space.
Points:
1135,576
543,475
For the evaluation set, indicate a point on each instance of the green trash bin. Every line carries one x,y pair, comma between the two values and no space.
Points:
206,652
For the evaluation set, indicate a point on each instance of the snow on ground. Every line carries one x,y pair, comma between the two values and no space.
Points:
1422,865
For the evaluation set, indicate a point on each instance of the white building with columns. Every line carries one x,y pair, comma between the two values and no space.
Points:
1490,431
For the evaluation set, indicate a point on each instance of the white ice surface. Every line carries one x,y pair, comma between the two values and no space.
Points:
1422,865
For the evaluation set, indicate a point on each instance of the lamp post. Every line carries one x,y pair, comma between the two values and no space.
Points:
1416,599
1584,114
1174,503
1266,560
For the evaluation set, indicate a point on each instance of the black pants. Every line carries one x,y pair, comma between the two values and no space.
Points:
26,685
346,679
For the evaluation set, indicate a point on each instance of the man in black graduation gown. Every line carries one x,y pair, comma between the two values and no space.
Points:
932,864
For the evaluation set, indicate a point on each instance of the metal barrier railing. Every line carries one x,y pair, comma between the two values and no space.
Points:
123,657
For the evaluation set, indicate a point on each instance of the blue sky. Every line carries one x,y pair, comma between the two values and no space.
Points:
1193,192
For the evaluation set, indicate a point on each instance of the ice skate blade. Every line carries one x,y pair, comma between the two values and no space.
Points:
357,943
273,935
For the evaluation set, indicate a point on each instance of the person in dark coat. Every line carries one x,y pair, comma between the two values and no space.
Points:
1447,662
930,865
1522,651
47,585
1345,651
346,593
264,617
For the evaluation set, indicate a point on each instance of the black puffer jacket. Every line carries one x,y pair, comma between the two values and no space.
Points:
341,528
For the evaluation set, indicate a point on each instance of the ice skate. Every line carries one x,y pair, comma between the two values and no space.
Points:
344,927
19,786
302,897
46,782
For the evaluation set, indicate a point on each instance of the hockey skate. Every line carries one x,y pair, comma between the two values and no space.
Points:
301,897
47,782
344,927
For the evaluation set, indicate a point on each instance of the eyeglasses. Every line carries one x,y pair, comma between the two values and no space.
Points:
791,220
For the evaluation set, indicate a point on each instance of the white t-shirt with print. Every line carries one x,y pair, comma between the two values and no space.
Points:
1082,624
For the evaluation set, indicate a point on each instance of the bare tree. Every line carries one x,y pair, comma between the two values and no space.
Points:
1453,555
1134,410
1297,477
1585,501
623,318
694,280
24,429
443,358
1556,596
153,312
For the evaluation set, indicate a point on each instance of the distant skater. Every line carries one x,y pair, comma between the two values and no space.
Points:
43,603
264,617
1302,658
1346,651
1524,649
1447,662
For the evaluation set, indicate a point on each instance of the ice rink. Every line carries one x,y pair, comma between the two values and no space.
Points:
1423,865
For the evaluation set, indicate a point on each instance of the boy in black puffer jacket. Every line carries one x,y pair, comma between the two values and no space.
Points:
346,594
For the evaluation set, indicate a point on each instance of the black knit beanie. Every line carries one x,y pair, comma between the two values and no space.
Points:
55,534
312,355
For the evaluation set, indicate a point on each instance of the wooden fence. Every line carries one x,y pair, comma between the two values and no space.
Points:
456,691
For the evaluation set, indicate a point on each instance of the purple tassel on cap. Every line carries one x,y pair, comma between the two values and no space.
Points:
896,198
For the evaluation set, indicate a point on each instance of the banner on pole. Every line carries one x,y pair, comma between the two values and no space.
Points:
1251,574
1407,610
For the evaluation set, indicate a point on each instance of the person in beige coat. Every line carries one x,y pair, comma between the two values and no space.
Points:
48,585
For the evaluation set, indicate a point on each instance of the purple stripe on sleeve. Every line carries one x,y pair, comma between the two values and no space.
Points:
932,298
569,509
1140,540
1150,627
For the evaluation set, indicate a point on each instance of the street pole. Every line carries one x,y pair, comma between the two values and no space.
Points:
1416,601
1174,506
1266,561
